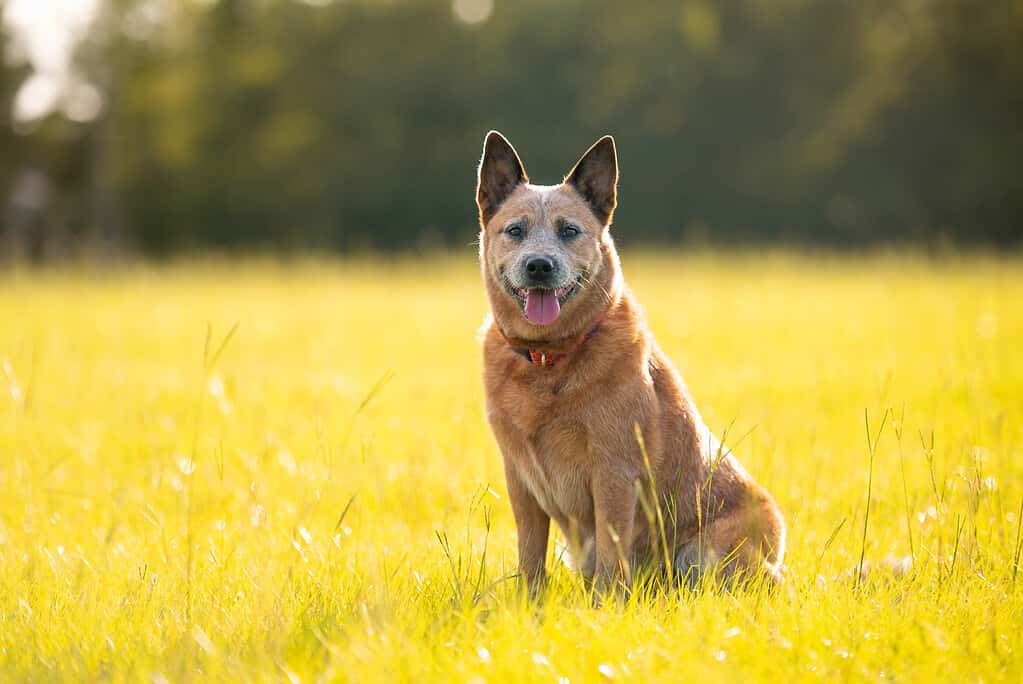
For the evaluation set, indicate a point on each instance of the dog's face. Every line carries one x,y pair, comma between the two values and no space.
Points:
545,249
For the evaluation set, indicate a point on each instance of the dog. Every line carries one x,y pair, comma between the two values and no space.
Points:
596,427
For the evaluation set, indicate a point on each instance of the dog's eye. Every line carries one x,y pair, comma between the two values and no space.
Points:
514,231
568,231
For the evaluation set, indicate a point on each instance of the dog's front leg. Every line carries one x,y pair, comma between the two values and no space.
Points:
533,526
614,504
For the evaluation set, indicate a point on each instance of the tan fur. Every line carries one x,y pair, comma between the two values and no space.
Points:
567,432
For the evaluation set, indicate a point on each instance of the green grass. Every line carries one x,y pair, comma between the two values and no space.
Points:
324,501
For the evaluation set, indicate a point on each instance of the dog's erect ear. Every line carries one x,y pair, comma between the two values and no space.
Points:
500,173
595,177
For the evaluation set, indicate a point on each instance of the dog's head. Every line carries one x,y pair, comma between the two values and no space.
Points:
546,253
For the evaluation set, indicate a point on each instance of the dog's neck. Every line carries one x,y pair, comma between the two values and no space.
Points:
543,355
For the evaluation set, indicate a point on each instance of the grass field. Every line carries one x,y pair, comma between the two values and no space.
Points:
320,498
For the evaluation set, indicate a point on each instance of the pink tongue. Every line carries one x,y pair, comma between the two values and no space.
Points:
542,306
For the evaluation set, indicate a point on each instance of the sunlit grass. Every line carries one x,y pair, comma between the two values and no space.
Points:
323,500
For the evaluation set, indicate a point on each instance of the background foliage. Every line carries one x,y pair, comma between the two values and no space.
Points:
346,124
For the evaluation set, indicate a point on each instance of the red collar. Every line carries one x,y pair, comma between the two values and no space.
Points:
547,359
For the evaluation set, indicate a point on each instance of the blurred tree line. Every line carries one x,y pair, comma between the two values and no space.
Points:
358,123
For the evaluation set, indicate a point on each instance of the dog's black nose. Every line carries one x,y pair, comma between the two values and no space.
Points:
539,269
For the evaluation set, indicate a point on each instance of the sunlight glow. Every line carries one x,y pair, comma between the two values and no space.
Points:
45,35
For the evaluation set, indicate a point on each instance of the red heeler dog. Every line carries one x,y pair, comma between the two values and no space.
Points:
596,427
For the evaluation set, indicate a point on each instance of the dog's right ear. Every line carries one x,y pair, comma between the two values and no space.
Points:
500,172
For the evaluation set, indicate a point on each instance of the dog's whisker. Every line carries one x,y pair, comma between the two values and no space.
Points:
587,280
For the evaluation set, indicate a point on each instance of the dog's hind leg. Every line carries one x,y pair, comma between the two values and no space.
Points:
746,543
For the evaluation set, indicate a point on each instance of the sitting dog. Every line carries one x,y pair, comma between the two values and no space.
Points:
595,425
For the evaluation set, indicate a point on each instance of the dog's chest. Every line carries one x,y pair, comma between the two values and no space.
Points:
557,469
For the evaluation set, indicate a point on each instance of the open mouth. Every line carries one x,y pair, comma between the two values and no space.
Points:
539,305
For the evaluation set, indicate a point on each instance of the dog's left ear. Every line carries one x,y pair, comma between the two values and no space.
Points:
595,177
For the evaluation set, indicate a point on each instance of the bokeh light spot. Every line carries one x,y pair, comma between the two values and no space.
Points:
701,26
472,11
